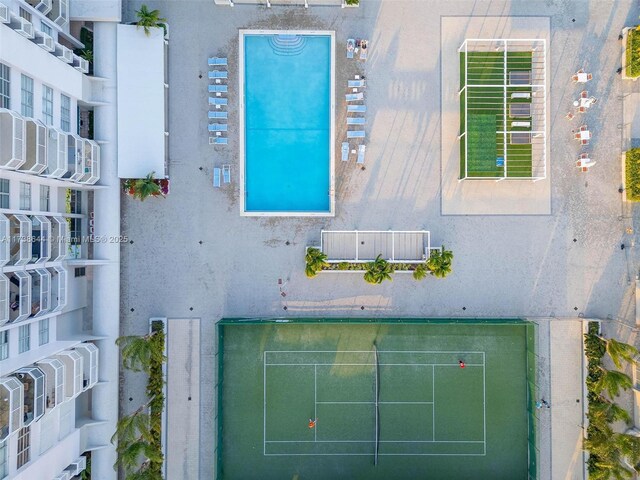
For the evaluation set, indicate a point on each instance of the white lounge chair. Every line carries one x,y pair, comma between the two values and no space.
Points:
216,177
218,74
217,127
521,95
351,46
355,133
217,101
226,173
361,150
356,83
357,108
345,151
218,140
217,61
355,121
218,88
352,97
218,114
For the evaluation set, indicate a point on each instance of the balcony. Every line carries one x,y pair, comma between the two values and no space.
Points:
59,12
58,289
35,147
56,152
89,354
5,15
53,370
73,370
43,6
91,163
20,240
12,139
5,233
32,379
20,296
41,245
11,394
40,292
75,157
60,237
4,299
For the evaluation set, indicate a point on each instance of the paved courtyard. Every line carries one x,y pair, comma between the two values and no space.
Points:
193,255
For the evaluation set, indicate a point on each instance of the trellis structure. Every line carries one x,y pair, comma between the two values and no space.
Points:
503,109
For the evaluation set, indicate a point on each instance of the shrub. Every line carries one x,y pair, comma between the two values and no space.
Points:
343,266
633,53
352,2
632,174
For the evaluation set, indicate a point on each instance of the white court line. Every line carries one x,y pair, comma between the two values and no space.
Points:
315,403
333,364
373,441
380,403
484,401
433,395
369,351
379,454
433,365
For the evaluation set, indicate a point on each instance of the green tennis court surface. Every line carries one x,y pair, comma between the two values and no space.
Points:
406,410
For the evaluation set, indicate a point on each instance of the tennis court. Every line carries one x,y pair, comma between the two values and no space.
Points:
391,400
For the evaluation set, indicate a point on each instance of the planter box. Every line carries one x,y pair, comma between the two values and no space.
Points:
163,435
625,39
345,5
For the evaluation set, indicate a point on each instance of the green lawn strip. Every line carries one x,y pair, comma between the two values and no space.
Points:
632,174
633,53
481,143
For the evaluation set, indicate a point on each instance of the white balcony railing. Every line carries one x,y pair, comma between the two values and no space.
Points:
5,16
58,289
56,153
11,396
35,147
12,139
54,381
72,362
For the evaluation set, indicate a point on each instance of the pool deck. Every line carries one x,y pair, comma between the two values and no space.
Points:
194,255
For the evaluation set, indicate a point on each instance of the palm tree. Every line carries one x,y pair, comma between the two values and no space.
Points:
316,260
132,427
146,187
138,352
147,19
439,262
378,271
420,272
619,351
129,457
612,381
606,411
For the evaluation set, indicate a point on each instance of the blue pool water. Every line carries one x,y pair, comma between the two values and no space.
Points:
287,87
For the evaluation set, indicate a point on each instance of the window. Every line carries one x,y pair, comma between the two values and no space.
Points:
27,96
24,445
4,469
80,272
44,198
75,201
47,105
4,352
46,28
75,231
43,331
25,196
4,193
24,338
65,113
25,14
4,86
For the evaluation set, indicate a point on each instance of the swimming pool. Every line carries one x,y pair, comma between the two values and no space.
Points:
286,123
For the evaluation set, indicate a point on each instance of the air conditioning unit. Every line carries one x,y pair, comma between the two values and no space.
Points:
4,13
45,41
76,467
26,29
64,475
80,64
44,6
64,53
